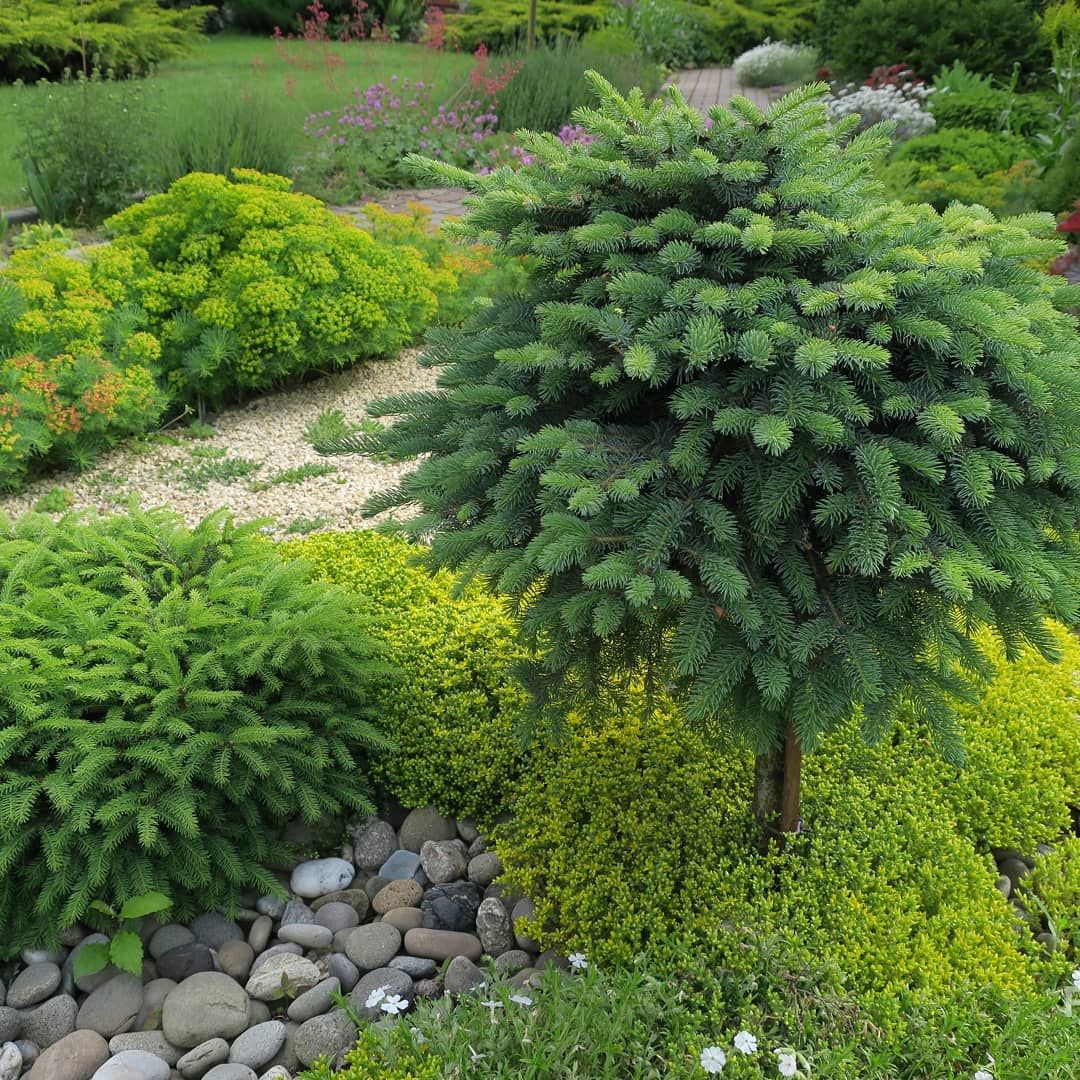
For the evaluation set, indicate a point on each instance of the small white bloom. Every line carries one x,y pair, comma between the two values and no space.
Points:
394,1004
521,999
713,1059
475,1057
786,1063
578,961
746,1043
375,998
492,1004
1076,979
982,1074
419,1037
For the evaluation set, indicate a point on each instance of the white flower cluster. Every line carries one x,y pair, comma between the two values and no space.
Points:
902,104
789,1062
775,63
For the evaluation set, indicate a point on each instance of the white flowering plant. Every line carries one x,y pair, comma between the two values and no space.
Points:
775,63
903,105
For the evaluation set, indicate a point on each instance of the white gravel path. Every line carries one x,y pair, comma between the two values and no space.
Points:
268,431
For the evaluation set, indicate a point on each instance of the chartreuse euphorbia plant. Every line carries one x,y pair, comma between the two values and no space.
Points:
750,429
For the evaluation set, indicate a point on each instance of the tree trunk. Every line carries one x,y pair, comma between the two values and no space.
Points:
777,787
530,33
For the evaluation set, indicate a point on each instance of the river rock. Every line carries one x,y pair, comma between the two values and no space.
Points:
484,869
284,948
111,1009
463,975
10,1024
371,946
373,842
170,936
51,1021
321,876
185,960
324,1036
387,979
397,894
316,1001
74,1057
337,916
198,1061
269,980
273,906
258,1045
443,860
33,985
154,994
425,824
416,967
296,911
404,918
11,1061
401,866
512,961
259,933
524,909
340,967
214,930
133,1065
442,944
276,1072
307,935
231,1071
494,928
356,898
149,1042
452,906
205,1006
236,958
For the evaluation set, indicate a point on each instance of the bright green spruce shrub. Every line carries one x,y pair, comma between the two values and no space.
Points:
248,285
45,37
453,717
169,700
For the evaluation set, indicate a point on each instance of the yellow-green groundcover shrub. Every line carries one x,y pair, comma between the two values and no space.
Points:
635,834
248,285
455,712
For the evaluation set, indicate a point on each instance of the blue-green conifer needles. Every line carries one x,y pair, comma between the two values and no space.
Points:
751,428
169,700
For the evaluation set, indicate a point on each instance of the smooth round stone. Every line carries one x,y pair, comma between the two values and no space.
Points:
258,1045
51,1021
316,1001
30,1052
10,1024
373,885
289,948
214,930
236,958
523,909
404,918
231,1071
416,967
11,1061
526,979
477,847
512,961
171,936
428,989
388,979
443,860
259,933
205,1006
484,868
133,1065
340,967
280,974
149,1042
74,1057
296,911
321,876
42,956
307,935
111,1009
260,1013
426,823
463,975
202,1058
33,985
373,842
397,894
442,944
371,946
324,1036
184,961
550,958
467,830
356,898
400,866
1015,870
154,994
270,905
1004,885
337,916
276,1072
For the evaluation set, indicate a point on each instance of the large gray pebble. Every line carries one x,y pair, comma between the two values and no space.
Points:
276,1072
33,985
340,967
170,936
374,841
201,1059
285,948
205,1006
416,967
10,1024
150,1042
325,1035
391,980
443,860
112,1008
524,909
154,994
258,1045
296,911
231,1071
259,933
494,928
214,930
185,960
270,905
316,1001
236,958
51,1021
401,866
463,975
30,1052
133,1065
307,935
270,980
425,824
484,868
372,946
317,877
75,1057
11,1061
337,916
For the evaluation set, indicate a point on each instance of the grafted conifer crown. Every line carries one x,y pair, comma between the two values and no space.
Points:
783,443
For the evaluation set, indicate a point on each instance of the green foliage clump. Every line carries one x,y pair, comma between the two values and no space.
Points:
502,24
634,835
858,35
454,716
991,109
1055,885
248,285
984,151
551,83
76,373
169,700
47,37
788,447
381,1054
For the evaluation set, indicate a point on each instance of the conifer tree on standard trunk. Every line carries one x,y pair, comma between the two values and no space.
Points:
750,430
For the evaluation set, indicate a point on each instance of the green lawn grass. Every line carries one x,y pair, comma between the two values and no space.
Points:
298,77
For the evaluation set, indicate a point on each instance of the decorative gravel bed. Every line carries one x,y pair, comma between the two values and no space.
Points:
408,909
246,463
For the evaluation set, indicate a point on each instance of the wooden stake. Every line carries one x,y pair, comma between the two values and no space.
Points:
789,808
